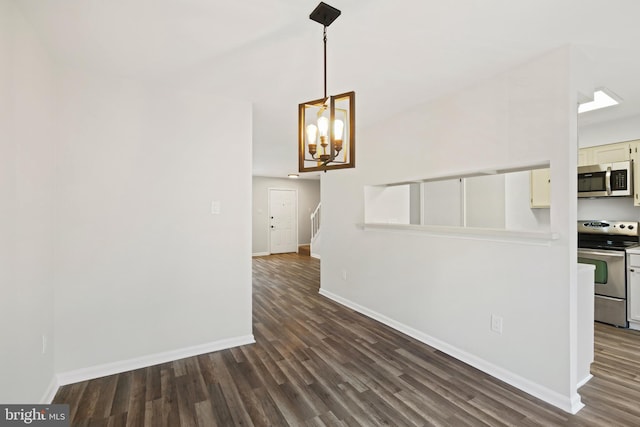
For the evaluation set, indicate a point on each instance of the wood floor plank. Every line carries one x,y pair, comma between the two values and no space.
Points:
153,413
221,410
272,414
204,414
170,410
118,420
231,393
316,363
72,395
246,381
121,396
137,392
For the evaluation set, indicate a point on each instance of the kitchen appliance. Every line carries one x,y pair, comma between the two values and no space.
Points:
603,244
606,180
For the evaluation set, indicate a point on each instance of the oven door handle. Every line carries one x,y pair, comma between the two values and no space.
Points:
607,180
609,254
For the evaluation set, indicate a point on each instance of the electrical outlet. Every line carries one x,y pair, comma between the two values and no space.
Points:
44,344
496,324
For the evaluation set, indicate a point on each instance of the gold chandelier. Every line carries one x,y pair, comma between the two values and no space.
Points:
326,126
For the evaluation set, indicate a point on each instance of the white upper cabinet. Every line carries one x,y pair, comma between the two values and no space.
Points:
540,188
618,152
585,156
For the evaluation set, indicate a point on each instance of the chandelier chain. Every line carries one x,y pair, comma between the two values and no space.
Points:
324,39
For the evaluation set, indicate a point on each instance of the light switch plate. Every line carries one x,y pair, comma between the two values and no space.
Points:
215,207
496,324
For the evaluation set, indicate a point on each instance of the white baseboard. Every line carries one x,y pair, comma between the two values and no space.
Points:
84,374
260,254
584,380
571,405
315,255
51,391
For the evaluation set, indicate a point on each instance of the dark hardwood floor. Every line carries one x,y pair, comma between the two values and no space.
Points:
316,363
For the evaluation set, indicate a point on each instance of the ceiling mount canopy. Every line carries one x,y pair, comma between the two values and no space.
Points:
324,14
326,126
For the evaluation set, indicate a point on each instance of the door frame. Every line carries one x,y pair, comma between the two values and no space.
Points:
295,192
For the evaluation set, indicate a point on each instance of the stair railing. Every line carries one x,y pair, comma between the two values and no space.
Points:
315,222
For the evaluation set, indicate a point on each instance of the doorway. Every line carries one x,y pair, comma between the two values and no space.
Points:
283,220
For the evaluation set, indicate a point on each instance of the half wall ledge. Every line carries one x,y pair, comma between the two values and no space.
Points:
472,233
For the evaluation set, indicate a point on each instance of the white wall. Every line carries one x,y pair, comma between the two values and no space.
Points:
625,129
443,202
109,249
308,199
142,266
387,204
485,201
518,214
444,289
27,138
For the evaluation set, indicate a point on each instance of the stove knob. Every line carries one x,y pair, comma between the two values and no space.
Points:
631,227
622,226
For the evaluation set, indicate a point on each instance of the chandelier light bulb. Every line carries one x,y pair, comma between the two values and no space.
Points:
338,128
312,136
323,126
312,133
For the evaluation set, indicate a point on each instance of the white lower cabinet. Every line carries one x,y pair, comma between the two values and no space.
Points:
633,290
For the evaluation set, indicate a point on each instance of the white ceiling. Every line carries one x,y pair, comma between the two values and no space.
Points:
394,54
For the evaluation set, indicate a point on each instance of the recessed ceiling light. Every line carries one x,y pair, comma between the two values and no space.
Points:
601,98
293,175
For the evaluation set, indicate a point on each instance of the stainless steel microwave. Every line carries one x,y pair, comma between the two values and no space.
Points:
606,180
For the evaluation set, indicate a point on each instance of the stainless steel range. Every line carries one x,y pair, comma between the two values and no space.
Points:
603,243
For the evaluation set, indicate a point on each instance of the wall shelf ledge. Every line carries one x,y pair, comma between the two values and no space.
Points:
470,233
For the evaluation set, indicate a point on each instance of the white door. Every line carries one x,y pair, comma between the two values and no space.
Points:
283,221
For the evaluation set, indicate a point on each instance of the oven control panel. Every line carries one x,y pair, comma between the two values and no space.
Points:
621,228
